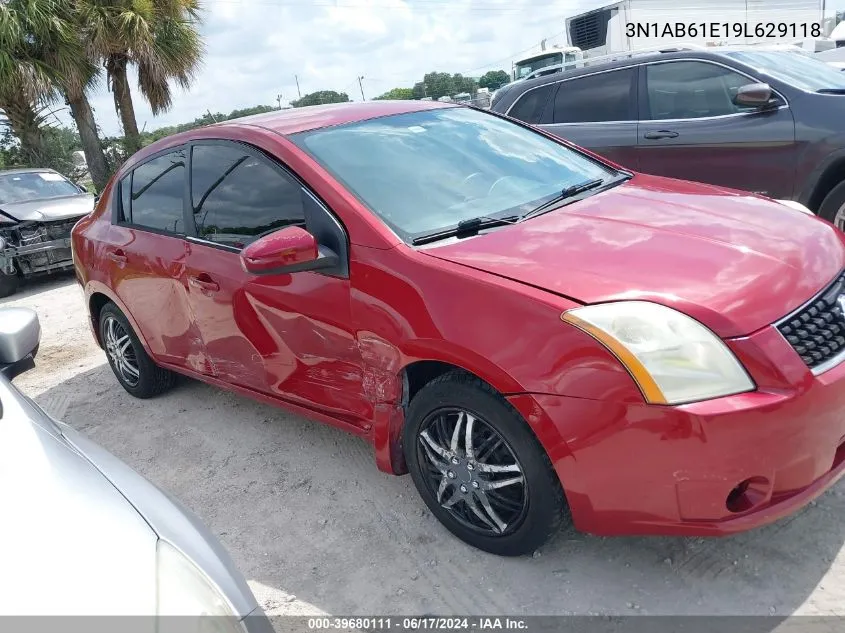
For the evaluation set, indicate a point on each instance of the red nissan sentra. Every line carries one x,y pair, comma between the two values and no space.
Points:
535,334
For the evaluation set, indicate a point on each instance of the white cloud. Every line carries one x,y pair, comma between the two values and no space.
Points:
254,48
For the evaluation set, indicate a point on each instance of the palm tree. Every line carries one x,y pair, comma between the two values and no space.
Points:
159,37
42,59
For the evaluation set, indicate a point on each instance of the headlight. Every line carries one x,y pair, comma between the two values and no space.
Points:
183,590
796,205
673,358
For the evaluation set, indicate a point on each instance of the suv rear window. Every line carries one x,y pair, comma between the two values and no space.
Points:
529,107
596,98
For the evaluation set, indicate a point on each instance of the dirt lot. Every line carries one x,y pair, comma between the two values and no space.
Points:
315,528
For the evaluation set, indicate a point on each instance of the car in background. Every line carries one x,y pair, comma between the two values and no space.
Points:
754,118
83,534
38,208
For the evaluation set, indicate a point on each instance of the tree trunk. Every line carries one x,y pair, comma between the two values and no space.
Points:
26,126
116,68
95,157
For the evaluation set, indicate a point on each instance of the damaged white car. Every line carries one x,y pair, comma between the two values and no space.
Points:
38,208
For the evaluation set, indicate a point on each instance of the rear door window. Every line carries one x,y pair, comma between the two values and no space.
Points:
597,98
529,107
157,188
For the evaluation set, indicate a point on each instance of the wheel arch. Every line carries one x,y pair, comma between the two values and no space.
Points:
389,419
824,179
97,296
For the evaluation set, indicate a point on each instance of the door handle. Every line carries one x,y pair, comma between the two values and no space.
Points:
117,255
204,282
658,134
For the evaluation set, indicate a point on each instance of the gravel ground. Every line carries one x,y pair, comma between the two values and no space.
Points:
315,528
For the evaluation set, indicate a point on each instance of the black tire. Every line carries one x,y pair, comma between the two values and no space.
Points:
833,203
8,285
541,505
152,380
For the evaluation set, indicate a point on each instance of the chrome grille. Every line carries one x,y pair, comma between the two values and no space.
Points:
817,330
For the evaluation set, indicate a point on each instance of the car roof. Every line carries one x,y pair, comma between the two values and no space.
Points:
670,53
293,121
307,118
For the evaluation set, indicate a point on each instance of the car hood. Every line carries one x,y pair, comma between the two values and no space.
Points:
70,543
734,261
49,209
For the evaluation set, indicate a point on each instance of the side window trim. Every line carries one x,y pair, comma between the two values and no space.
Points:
548,114
644,105
118,219
281,169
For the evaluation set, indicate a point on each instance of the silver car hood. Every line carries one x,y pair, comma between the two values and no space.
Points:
70,543
49,209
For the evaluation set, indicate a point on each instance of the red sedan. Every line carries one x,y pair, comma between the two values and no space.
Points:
534,333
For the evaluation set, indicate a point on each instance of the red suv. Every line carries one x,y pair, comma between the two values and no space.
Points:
531,331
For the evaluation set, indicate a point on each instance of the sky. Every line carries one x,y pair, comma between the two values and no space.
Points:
255,48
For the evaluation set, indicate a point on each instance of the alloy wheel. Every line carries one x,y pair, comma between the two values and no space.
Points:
121,352
472,472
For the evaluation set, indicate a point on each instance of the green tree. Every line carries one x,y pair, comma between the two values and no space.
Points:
322,96
42,59
261,109
435,85
159,37
397,93
463,84
493,79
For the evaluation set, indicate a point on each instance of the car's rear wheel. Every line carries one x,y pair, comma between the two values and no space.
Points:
8,285
131,364
479,468
832,208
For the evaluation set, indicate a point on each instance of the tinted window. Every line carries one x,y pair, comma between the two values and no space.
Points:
157,191
691,90
237,197
529,107
423,171
601,97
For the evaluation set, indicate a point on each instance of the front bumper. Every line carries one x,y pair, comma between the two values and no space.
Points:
32,249
645,469
35,247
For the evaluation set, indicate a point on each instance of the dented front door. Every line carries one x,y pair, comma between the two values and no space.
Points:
286,335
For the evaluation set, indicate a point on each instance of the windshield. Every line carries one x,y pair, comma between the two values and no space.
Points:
527,67
34,185
425,171
797,69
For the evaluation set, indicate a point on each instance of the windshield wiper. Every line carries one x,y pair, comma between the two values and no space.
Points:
831,91
465,228
565,194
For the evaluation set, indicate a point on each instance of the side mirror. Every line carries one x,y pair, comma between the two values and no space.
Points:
82,188
288,250
754,96
20,333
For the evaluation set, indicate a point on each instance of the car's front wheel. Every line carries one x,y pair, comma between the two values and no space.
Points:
479,468
131,364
